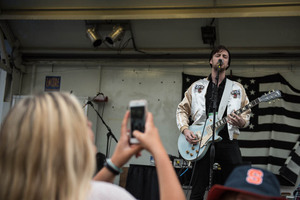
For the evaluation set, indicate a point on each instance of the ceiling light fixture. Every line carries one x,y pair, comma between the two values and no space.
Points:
94,37
116,33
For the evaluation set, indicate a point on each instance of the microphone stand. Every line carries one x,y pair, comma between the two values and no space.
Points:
212,148
109,130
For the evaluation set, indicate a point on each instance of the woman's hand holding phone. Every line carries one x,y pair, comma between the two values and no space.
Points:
138,113
124,151
150,139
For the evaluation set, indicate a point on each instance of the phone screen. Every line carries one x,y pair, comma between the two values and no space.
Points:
137,115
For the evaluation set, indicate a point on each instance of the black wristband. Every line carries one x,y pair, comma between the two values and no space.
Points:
111,169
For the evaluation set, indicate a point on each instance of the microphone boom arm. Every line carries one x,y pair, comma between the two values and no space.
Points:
107,127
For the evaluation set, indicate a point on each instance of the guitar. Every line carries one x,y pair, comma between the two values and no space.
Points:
194,152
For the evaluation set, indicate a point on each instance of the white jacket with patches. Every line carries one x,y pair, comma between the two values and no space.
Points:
193,104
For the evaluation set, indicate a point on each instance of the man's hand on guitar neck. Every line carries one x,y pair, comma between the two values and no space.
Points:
190,136
236,120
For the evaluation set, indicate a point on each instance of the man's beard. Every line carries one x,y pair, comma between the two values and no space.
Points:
216,68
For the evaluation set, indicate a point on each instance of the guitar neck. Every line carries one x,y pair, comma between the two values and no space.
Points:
238,112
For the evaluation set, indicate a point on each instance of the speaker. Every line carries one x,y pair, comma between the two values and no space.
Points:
208,34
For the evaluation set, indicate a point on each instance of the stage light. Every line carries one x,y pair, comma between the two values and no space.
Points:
94,37
116,33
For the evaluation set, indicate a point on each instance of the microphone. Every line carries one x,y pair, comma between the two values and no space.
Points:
220,62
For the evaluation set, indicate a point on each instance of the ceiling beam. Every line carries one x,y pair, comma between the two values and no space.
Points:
162,51
165,62
142,13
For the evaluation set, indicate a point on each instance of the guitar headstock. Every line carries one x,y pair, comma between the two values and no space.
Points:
270,96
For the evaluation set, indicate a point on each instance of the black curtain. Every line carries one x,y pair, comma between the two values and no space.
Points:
142,182
100,160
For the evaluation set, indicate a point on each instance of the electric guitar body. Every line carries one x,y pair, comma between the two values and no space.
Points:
197,151
194,152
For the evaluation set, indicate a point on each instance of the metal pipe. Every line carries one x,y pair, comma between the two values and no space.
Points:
153,12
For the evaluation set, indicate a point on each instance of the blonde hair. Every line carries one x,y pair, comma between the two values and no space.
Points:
45,150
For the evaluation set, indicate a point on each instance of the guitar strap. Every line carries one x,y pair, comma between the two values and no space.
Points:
225,98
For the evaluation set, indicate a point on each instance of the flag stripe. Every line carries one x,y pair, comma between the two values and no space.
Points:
288,92
278,78
287,107
278,111
291,98
278,119
250,152
288,174
266,143
265,135
274,168
297,158
264,160
277,127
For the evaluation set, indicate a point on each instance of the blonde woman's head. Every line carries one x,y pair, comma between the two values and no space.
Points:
45,150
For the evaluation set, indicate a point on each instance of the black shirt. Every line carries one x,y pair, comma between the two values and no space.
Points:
209,103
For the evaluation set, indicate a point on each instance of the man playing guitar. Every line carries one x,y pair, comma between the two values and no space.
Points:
197,105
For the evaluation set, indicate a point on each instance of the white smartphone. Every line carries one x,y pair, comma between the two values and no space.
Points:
138,113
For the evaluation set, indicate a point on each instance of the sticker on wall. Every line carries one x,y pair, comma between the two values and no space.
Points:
52,83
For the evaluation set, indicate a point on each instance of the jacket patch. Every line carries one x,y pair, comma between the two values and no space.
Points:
199,88
236,93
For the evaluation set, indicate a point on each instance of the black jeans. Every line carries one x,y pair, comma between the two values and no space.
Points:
227,154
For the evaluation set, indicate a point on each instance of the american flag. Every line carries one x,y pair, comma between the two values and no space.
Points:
271,141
